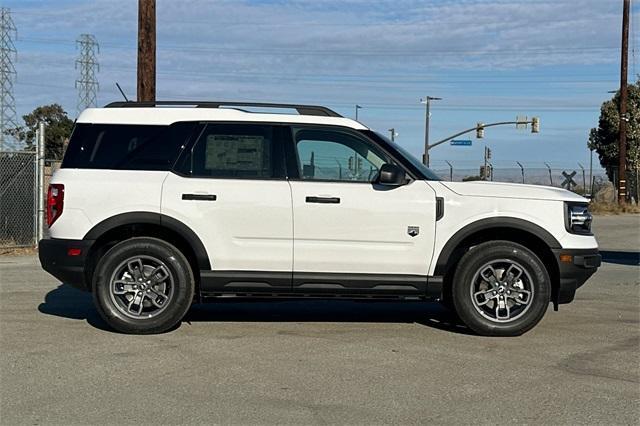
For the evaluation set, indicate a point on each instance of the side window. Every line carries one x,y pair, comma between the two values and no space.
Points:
336,156
236,151
125,146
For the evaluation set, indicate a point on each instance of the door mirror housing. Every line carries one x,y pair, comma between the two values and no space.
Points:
392,175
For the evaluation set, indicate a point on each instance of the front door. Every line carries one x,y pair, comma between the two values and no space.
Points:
352,235
229,187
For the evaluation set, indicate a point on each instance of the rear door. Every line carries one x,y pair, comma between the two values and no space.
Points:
229,186
352,235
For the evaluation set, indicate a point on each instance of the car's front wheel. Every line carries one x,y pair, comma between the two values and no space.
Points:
501,288
143,286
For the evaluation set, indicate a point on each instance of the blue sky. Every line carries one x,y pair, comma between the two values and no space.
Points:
489,60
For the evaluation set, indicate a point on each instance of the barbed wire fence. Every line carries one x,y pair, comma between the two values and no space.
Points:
582,181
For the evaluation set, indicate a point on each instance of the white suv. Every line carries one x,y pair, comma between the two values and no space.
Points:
158,205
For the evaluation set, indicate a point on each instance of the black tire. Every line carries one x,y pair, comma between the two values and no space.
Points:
166,301
482,305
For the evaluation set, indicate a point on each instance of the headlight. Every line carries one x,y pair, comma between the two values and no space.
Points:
577,218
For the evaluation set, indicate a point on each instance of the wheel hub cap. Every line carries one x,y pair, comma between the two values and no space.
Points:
141,287
502,290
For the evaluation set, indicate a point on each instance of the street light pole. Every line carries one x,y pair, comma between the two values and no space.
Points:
427,102
357,108
535,128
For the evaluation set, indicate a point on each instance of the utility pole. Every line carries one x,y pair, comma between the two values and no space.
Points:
357,108
427,102
146,50
622,141
8,34
87,83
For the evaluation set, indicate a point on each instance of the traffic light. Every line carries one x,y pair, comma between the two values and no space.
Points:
488,154
535,125
351,163
480,130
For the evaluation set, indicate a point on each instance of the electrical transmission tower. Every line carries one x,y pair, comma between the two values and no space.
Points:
87,84
8,34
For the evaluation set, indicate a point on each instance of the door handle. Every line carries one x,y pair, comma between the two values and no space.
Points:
323,200
199,197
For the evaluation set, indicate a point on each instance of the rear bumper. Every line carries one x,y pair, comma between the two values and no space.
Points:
575,267
55,258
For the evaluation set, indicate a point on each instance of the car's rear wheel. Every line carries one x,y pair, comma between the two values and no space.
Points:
501,288
143,286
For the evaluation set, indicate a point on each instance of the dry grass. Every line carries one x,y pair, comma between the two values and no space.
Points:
598,207
21,251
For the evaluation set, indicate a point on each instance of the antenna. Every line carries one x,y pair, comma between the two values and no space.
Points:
8,34
87,84
122,92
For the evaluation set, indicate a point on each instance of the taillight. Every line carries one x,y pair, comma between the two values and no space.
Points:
55,202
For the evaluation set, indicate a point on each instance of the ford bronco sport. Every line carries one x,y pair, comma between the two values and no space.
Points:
158,205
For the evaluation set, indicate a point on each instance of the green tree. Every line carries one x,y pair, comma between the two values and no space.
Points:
58,128
604,138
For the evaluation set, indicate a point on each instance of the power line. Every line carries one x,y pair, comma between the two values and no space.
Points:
87,84
8,33
392,105
295,23
288,51
367,78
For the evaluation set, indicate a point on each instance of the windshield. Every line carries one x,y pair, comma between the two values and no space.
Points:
417,164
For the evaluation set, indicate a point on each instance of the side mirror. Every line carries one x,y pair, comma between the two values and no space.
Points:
391,175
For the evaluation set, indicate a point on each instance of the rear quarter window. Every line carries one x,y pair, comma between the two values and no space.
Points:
125,147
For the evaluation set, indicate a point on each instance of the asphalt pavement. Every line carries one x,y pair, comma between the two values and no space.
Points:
318,362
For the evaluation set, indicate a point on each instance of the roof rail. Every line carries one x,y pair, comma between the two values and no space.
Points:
302,109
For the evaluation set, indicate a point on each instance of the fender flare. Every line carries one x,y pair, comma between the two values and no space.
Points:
132,218
491,223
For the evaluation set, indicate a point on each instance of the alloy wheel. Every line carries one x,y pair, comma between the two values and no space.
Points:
502,290
141,287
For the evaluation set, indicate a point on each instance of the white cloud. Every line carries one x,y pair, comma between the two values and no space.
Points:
332,51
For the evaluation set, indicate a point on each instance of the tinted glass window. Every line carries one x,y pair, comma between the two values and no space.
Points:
336,156
125,147
413,163
231,151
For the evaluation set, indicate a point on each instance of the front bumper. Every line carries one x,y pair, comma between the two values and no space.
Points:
56,258
575,267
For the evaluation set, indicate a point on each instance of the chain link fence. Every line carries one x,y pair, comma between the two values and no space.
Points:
18,198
